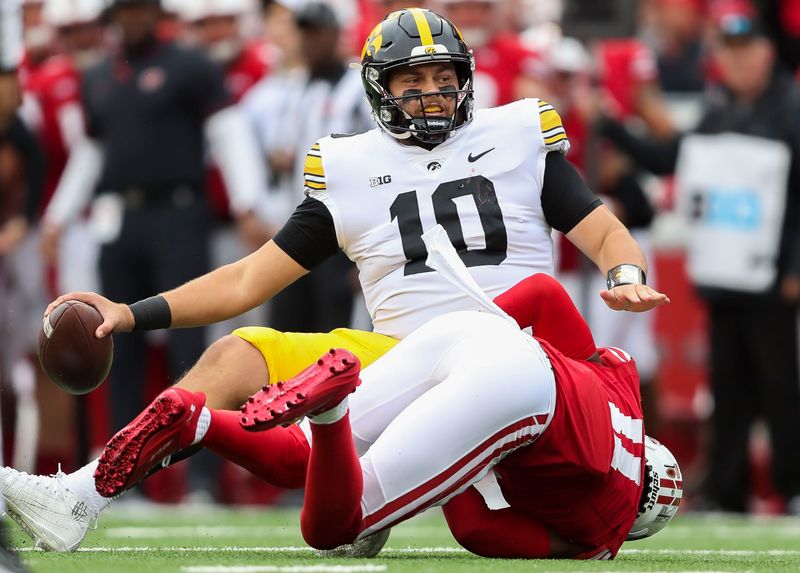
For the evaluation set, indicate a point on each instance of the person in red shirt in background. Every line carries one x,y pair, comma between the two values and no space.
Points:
56,112
69,36
501,59
54,86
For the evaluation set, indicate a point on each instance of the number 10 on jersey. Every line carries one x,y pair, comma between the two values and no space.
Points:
406,210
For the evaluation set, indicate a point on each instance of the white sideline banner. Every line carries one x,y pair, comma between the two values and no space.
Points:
731,189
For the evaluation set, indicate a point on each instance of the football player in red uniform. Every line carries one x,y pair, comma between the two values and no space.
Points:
532,452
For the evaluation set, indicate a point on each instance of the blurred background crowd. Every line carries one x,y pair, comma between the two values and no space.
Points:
158,140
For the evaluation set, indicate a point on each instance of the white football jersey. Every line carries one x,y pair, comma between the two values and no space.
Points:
483,186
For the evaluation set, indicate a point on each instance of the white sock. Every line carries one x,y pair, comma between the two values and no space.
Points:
331,416
81,482
203,422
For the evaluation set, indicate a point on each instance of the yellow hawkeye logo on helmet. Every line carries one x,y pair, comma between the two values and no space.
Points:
373,43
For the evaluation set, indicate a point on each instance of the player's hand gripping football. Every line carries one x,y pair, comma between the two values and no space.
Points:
117,317
633,298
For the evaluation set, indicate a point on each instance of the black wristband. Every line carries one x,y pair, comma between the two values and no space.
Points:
625,275
151,313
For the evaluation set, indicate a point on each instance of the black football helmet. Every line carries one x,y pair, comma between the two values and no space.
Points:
416,36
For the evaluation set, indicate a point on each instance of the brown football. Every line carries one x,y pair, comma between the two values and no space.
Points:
74,359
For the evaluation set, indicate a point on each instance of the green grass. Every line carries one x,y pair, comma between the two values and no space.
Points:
156,539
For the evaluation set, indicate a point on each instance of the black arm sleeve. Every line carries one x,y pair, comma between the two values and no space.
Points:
566,199
658,157
33,158
309,236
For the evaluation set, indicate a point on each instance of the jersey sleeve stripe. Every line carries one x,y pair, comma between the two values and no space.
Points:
313,170
556,131
550,120
553,140
556,138
314,178
553,132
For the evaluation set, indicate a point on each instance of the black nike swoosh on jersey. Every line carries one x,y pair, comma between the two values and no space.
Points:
473,158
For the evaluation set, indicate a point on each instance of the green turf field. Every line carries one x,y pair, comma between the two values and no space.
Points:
156,539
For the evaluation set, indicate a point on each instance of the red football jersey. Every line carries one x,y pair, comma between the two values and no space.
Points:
583,478
55,85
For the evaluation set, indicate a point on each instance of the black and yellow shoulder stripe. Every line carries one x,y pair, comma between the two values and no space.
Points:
313,172
552,129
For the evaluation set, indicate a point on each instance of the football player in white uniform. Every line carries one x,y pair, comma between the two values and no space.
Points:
496,180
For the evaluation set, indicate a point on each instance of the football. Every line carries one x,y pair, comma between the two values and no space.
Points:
72,357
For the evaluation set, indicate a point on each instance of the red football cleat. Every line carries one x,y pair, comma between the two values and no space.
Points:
165,427
316,389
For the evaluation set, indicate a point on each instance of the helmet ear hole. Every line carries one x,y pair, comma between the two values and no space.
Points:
388,115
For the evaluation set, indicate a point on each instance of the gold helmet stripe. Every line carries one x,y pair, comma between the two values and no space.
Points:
424,28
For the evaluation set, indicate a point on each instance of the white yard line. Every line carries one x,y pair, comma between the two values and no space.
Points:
288,549
425,551
283,568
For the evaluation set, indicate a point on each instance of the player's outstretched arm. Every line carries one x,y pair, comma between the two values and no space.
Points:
221,294
605,240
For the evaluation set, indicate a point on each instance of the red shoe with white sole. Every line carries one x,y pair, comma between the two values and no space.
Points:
165,427
319,387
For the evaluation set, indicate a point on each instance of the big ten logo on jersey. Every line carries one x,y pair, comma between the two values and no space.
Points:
382,180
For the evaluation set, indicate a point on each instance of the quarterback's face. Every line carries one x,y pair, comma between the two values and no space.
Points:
435,79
